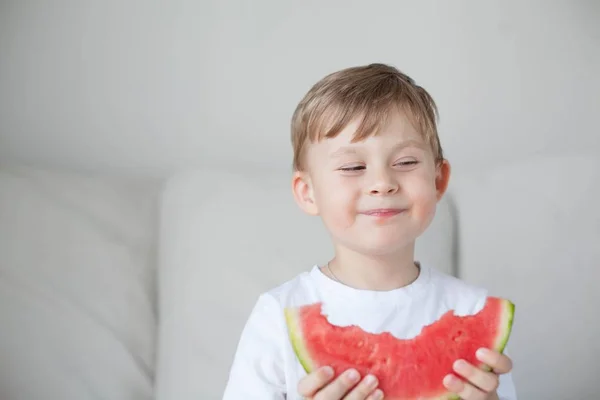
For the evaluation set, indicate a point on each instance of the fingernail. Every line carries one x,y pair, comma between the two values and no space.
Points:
460,365
352,375
482,353
449,380
327,371
378,395
370,380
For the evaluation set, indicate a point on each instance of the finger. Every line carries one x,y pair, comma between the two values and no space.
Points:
499,362
313,382
376,395
339,387
464,390
486,381
366,387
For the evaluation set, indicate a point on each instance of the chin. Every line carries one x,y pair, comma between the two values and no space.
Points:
382,246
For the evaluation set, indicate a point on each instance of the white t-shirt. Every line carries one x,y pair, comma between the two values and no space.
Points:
265,366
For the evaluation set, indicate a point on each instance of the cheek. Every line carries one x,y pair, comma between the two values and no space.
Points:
337,204
424,199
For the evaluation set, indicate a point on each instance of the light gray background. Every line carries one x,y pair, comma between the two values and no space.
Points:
146,90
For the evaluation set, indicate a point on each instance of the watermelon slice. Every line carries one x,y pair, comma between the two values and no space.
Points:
407,369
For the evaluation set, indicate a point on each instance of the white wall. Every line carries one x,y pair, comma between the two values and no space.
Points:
144,87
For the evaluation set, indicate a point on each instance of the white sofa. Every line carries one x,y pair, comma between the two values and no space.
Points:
78,294
529,230
77,286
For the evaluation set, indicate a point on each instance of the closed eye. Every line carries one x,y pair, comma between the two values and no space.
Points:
355,168
405,163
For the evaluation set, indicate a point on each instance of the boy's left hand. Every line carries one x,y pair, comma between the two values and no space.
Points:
477,384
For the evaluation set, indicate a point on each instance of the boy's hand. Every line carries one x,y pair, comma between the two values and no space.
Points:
320,385
478,384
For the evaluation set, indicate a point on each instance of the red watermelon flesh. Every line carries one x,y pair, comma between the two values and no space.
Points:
407,369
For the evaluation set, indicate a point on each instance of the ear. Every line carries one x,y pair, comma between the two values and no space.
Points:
442,178
303,193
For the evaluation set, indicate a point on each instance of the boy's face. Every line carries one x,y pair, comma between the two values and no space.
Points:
376,196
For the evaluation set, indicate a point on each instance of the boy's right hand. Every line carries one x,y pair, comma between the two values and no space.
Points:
321,385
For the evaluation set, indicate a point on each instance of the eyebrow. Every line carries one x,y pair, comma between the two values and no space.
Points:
410,143
399,146
342,151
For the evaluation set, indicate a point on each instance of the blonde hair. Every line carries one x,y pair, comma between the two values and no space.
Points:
369,92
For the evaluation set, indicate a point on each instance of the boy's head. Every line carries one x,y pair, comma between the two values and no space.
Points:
367,157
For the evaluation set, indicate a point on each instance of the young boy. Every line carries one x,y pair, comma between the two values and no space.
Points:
368,161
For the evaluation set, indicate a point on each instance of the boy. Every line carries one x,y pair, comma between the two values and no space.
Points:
368,161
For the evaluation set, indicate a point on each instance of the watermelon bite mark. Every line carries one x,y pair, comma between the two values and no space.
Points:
407,369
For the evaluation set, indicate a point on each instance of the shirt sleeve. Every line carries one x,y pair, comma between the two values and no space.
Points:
257,371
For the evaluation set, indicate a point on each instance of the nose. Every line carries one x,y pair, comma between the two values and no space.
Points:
383,183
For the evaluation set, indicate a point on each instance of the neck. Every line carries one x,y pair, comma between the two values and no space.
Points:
368,272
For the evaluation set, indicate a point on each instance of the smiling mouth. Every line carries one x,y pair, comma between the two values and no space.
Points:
384,212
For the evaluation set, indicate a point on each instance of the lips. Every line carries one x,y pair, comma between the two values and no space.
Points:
384,212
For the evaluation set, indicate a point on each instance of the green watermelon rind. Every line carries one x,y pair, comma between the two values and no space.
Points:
509,314
295,333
